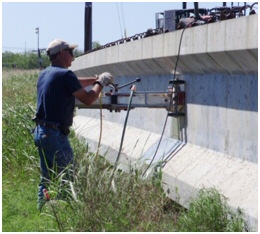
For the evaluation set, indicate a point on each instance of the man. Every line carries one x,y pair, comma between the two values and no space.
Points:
57,89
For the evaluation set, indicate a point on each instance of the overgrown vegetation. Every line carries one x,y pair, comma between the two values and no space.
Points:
23,60
27,60
209,212
128,204
30,59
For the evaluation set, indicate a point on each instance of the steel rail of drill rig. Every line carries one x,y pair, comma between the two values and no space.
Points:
172,100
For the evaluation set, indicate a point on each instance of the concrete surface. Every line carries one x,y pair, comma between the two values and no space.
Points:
138,148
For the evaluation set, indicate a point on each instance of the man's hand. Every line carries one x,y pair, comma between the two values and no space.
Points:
105,79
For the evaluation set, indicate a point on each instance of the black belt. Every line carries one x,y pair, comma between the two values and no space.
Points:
64,129
48,125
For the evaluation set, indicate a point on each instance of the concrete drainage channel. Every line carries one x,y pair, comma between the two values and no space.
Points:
187,168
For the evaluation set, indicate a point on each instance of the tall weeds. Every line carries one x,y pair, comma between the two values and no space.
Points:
17,111
210,213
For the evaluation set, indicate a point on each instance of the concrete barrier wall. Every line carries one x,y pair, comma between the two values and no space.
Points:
222,113
215,144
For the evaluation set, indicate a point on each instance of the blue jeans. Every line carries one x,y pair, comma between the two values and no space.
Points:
56,155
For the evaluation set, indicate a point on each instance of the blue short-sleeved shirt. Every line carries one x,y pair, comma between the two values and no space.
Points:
55,102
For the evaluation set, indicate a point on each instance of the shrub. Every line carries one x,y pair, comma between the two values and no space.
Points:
210,213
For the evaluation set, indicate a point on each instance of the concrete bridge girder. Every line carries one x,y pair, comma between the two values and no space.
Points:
215,48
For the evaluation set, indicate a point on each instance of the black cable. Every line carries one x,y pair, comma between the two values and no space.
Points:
174,75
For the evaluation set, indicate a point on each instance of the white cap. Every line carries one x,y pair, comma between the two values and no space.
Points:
57,45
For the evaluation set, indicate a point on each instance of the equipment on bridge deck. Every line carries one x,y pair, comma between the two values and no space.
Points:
173,100
172,20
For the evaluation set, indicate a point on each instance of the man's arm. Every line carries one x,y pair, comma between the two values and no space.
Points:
87,81
88,97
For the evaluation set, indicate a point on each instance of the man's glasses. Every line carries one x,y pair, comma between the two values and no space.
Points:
70,51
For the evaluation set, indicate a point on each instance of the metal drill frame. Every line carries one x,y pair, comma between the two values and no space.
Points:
172,100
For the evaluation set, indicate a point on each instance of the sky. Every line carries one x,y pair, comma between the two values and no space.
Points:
65,20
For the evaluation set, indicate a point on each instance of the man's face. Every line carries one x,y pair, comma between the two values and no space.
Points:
68,57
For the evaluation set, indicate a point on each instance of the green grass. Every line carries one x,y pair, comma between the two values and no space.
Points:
128,204
19,213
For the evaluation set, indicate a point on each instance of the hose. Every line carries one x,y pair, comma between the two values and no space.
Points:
176,64
101,125
123,134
